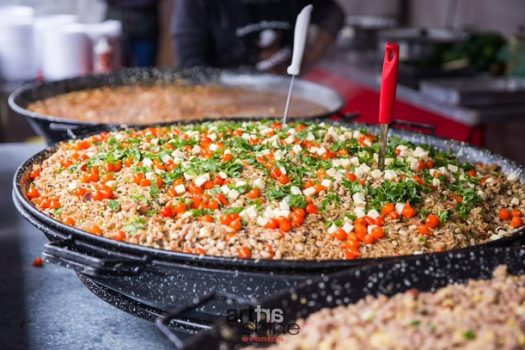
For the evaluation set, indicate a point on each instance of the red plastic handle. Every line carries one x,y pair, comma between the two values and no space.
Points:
387,96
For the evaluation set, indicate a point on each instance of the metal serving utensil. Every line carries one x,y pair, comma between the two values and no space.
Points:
387,97
299,41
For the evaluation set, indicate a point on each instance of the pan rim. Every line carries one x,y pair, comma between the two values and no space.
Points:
315,264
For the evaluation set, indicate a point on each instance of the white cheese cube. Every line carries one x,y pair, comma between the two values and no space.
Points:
321,151
296,149
389,161
214,147
147,162
373,214
283,205
259,183
314,149
295,190
201,179
310,191
370,228
390,175
359,212
348,227
512,177
150,175
73,185
225,189
419,152
332,229
188,176
515,201
436,182
359,198
262,221
399,207
310,137
223,175
283,170
166,158
354,161
233,194
453,168
326,183
376,174
345,162
240,183
180,189
196,149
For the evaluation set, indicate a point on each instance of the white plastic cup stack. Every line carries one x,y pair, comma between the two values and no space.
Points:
66,52
42,25
17,50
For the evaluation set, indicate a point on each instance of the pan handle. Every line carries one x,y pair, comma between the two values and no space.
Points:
414,126
63,253
162,322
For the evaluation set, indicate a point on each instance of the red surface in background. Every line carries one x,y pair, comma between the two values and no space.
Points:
366,101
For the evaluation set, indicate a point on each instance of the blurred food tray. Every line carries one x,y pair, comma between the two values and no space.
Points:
476,92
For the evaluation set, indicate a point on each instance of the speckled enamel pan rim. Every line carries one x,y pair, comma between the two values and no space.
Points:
461,149
33,92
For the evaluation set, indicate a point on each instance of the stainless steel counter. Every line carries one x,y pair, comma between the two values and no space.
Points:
356,67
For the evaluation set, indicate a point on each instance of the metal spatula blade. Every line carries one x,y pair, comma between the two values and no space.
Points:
299,42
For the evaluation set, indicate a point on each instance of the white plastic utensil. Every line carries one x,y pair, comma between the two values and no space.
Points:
299,42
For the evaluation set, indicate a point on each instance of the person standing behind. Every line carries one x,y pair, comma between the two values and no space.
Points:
249,33
140,26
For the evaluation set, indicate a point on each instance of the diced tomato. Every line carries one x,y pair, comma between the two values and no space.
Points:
244,253
200,251
340,234
351,254
38,262
378,232
272,224
167,212
208,185
222,198
380,221
236,224
32,193
254,193
504,214
360,231
370,220
69,221
119,236
311,209
432,221
369,239
207,218
34,174
194,189
472,173
145,182
95,229
227,157
283,179
284,224
179,208
516,212
516,222
351,177
408,212
424,230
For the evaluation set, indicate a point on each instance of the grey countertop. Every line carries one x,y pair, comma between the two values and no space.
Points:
357,67
48,307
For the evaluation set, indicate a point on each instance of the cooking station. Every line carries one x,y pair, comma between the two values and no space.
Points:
368,196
